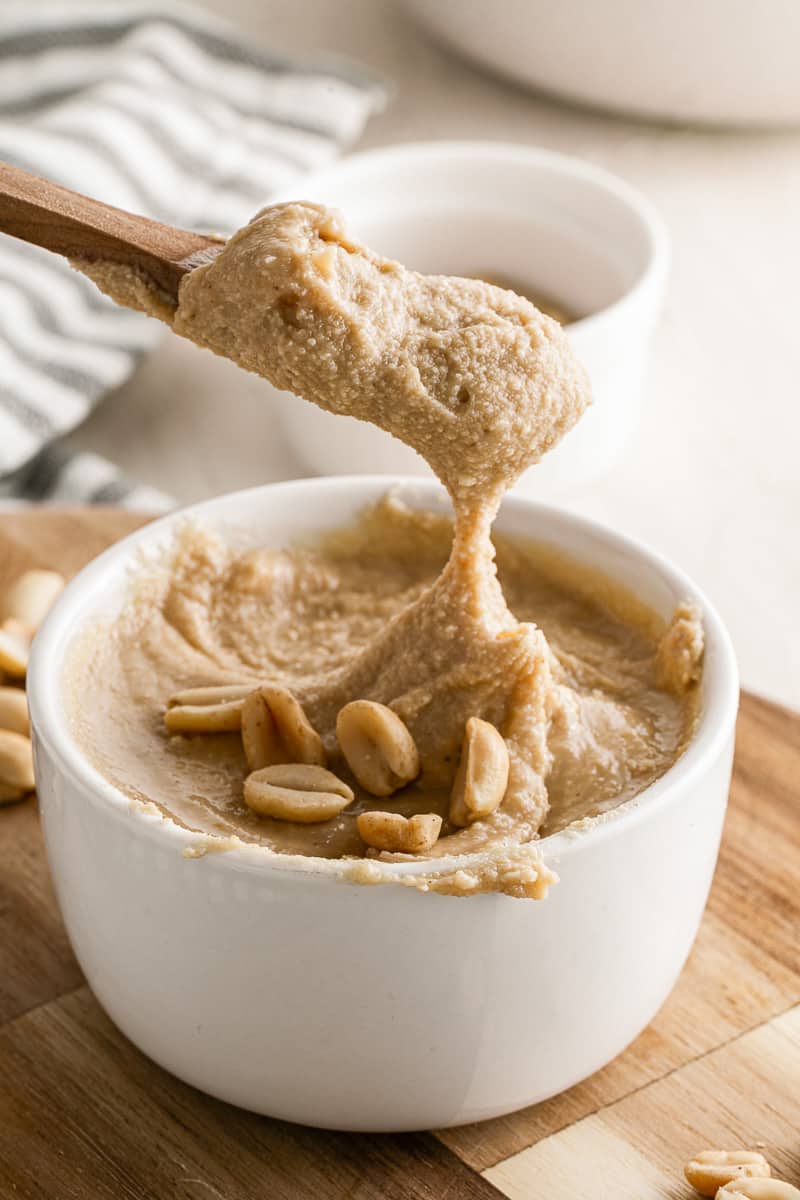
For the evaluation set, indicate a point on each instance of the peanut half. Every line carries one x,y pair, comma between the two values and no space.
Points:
225,717
759,1189
398,834
14,649
482,776
304,792
276,730
16,761
378,747
712,1169
9,794
29,598
215,694
14,710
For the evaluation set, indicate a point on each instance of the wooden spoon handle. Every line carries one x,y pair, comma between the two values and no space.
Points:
76,226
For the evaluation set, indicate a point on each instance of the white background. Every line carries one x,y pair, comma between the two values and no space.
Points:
712,479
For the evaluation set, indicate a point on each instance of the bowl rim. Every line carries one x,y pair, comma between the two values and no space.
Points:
651,277
50,725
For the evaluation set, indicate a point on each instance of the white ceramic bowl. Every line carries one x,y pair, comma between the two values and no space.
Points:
567,229
274,985
732,62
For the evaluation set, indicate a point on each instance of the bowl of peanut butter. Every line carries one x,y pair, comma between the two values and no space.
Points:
374,803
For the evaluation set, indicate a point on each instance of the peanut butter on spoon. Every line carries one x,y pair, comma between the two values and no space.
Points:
473,377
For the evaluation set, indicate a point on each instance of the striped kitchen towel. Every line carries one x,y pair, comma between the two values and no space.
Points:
160,109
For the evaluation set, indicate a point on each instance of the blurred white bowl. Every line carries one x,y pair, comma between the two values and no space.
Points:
558,226
732,62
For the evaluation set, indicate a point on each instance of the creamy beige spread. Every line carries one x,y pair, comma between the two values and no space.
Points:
592,701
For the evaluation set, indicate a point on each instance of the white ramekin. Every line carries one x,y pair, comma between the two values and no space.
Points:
275,985
561,225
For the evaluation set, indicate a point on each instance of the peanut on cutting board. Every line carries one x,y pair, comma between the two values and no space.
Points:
758,1189
14,650
29,599
23,607
10,794
710,1170
14,710
16,760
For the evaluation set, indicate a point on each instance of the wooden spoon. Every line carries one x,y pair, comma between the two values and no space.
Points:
76,226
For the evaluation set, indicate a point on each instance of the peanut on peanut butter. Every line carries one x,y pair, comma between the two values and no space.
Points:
276,730
482,776
224,717
397,834
223,693
378,747
302,792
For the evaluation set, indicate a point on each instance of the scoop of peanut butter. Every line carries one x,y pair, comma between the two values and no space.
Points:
473,377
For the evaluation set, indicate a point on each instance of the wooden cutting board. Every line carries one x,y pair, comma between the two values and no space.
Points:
84,1116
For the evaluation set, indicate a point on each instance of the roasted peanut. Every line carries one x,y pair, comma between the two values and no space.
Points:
378,747
759,1189
215,694
712,1169
14,650
30,597
304,792
16,761
205,718
10,795
262,746
14,710
482,776
276,730
398,834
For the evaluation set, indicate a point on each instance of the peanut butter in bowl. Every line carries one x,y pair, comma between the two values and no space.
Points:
403,689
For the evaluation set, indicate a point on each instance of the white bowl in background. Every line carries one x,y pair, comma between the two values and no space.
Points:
271,983
566,229
731,62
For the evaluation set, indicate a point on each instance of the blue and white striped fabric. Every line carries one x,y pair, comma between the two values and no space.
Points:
158,109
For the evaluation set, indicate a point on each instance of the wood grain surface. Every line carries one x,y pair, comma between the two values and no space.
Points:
83,1114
